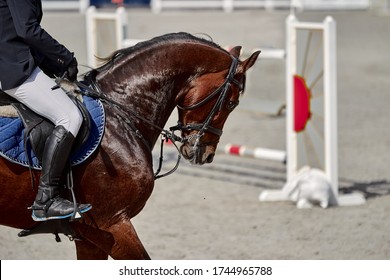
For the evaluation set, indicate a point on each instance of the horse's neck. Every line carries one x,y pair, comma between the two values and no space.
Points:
152,99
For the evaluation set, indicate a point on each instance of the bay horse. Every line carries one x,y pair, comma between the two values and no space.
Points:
149,80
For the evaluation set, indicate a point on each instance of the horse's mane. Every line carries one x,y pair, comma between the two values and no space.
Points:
111,59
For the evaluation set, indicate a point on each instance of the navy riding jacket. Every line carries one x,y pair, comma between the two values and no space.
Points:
24,45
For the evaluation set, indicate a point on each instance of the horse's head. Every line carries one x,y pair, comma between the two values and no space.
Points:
207,104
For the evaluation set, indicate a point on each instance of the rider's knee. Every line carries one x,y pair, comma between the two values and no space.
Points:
73,121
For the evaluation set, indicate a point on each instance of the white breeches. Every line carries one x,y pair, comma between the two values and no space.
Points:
55,105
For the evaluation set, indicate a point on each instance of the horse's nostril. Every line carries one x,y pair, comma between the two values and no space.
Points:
186,152
210,158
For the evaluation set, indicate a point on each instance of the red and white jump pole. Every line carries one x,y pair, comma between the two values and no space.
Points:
258,153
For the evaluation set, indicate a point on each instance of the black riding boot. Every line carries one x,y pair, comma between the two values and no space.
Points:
48,204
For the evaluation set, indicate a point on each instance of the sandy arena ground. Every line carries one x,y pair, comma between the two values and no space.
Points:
213,212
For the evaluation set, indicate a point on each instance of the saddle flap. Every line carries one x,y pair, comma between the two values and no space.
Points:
37,129
5,99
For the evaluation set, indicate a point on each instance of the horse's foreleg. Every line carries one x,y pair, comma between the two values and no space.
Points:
89,251
127,244
119,240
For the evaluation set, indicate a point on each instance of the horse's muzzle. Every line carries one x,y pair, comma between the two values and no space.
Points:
197,155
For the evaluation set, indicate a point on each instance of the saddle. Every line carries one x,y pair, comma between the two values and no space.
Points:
38,128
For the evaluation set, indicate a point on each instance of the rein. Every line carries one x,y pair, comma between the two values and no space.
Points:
96,93
167,135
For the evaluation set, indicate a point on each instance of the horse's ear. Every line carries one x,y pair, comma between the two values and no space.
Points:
250,61
235,51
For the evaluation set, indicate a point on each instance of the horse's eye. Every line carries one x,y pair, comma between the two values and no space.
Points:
231,105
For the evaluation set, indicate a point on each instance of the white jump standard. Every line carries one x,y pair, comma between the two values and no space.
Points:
311,114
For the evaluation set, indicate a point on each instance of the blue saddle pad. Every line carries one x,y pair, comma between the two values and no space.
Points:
12,137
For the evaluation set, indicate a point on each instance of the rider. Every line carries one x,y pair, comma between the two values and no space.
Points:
29,59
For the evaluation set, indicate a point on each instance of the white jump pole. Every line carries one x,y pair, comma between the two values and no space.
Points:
270,53
80,5
330,99
91,34
226,5
291,140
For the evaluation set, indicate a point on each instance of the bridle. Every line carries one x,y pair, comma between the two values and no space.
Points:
202,128
205,126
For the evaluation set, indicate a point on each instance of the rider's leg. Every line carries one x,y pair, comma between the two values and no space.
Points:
48,204
56,106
